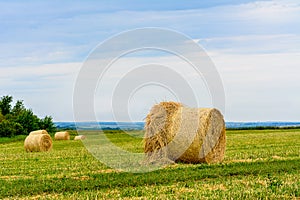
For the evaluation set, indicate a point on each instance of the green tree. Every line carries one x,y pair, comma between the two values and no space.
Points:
19,120
28,120
5,104
9,129
18,108
47,124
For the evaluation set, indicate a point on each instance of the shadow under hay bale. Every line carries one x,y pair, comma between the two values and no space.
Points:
62,135
38,141
179,133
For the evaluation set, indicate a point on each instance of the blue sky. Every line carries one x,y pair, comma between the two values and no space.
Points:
255,46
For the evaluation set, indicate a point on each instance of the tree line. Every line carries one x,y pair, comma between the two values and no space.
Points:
18,120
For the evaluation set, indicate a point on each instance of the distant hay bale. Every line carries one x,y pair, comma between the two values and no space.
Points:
38,132
178,133
38,142
79,137
62,135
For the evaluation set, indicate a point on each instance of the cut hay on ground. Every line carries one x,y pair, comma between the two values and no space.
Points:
79,137
38,132
179,133
62,135
38,142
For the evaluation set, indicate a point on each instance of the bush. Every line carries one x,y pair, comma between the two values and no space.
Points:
1,117
9,129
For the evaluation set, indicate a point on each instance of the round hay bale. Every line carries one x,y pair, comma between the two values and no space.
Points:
79,137
179,133
38,132
62,135
38,142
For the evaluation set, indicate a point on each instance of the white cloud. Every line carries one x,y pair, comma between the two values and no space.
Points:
47,89
255,46
53,35
269,11
260,86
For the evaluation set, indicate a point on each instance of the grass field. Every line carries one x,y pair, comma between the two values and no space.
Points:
259,164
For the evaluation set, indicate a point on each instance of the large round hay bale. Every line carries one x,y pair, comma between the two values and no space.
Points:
38,142
79,137
38,132
62,135
179,133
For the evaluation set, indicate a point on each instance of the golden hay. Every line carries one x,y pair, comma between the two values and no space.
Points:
179,133
79,137
63,135
38,132
38,142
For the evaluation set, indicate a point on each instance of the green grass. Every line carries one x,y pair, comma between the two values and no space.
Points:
14,139
259,164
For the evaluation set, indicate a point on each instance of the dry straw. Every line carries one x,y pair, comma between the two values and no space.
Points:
62,135
178,133
38,141
38,132
79,137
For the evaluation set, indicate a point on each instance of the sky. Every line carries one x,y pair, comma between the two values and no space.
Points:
254,45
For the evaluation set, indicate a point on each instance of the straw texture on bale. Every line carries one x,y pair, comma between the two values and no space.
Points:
62,135
79,137
38,142
38,132
177,133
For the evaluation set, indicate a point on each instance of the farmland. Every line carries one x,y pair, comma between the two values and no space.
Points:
258,164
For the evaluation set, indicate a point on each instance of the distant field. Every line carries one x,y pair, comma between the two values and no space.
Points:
258,164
